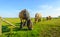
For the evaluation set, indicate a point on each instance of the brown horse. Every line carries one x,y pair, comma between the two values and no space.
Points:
25,19
49,18
38,17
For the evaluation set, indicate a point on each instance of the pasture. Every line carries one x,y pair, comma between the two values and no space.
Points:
50,28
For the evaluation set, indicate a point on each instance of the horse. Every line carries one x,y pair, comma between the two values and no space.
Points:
25,19
49,18
38,17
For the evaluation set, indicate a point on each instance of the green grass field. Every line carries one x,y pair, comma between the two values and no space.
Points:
44,28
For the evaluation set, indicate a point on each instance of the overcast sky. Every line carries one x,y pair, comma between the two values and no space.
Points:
11,8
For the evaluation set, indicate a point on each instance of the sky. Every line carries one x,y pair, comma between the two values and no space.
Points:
11,8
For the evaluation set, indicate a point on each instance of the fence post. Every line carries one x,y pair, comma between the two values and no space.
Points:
11,30
0,27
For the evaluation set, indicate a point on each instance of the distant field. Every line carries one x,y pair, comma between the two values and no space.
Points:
44,28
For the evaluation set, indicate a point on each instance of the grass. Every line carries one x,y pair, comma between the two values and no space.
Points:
44,28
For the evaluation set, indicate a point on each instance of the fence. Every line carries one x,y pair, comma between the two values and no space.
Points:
1,19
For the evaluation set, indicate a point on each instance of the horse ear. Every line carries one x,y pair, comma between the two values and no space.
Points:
25,9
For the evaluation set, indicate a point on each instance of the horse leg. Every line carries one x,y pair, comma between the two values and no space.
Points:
24,23
35,20
39,19
29,24
21,25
